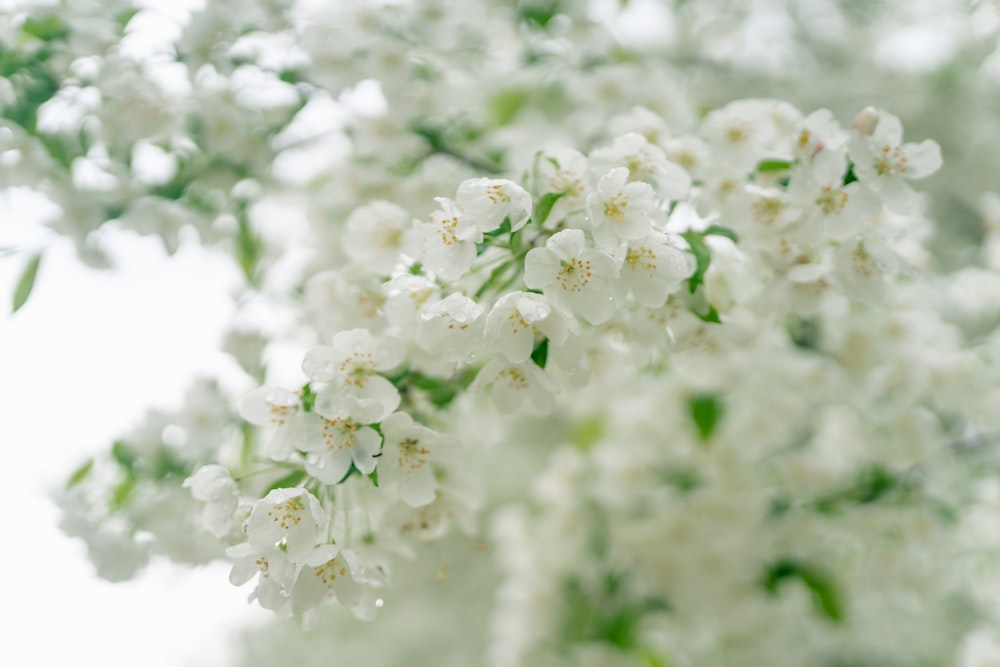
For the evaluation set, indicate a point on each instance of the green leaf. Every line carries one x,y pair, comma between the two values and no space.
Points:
45,28
826,597
850,176
373,476
26,282
308,398
703,258
719,230
544,206
80,473
772,165
588,431
122,492
248,246
507,104
123,455
541,353
290,480
706,412
712,316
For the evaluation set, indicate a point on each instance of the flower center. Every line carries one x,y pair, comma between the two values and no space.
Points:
574,275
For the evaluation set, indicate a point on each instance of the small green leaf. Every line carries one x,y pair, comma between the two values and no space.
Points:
719,230
308,398
45,28
772,165
826,597
26,283
850,176
712,316
248,246
290,480
703,258
540,354
122,492
80,473
544,206
123,455
706,412
373,476
587,432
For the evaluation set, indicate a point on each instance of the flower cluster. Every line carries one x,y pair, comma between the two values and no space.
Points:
698,353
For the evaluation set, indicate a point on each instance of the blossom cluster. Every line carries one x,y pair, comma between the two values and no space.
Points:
733,417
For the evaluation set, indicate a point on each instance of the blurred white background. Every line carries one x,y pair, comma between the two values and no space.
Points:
79,365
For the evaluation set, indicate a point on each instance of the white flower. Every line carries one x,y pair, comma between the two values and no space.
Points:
289,517
351,366
644,162
517,318
448,241
620,210
653,269
487,201
275,409
563,172
452,327
374,236
334,442
406,455
330,572
517,385
818,188
213,485
882,161
573,277
860,270
817,133
274,567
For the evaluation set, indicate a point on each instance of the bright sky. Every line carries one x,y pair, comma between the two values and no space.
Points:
79,364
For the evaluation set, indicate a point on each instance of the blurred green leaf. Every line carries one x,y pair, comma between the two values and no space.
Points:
26,283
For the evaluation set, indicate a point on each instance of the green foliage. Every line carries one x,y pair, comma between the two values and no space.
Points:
540,354
703,258
544,206
825,594
773,165
80,474
706,412
46,28
26,283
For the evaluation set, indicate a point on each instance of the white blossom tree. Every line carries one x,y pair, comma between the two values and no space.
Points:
632,333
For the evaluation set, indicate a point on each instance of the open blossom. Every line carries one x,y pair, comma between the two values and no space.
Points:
351,366
374,236
406,459
518,318
213,485
451,327
275,572
513,386
653,269
573,276
645,162
330,573
564,172
619,210
487,201
275,409
334,442
884,163
288,520
448,240
818,188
